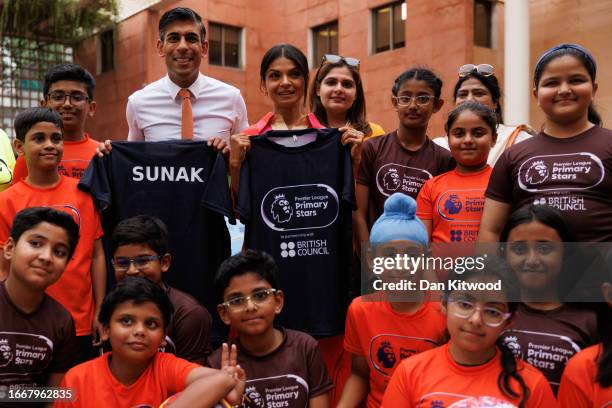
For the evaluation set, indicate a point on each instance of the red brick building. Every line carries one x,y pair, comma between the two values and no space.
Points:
388,37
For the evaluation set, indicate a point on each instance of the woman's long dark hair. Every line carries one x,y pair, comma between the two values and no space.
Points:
494,270
356,115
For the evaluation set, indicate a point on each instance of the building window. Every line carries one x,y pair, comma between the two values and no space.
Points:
106,52
388,27
224,45
483,12
324,41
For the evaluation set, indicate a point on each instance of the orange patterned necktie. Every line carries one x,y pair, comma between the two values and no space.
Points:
186,114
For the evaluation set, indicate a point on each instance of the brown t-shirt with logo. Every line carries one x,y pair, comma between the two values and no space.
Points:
189,330
36,344
288,377
573,174
387,168
548,339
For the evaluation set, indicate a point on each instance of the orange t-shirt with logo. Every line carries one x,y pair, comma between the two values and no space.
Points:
454,201
434,379
74,289
385,337
578,388
93,384
75,159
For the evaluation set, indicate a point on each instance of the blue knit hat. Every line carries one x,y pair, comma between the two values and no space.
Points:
399,222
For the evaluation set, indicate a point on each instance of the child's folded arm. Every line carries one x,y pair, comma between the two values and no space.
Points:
206,389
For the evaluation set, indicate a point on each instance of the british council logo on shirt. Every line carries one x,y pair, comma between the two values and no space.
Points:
301,207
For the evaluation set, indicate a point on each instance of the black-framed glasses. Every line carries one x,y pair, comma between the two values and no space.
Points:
76,98
140,262
239,304
406,100
465,309
334,59
485,70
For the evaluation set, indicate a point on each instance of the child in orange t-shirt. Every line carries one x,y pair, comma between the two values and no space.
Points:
474,368
382,331
68,89
451,204
82,286
135,316
587,379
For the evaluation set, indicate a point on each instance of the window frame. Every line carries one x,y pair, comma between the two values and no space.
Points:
223,28
101,66
314,58
373,26
490,10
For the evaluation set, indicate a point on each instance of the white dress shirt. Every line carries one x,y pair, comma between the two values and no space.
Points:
503,133
154,112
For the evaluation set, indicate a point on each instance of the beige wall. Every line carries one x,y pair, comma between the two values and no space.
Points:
438,35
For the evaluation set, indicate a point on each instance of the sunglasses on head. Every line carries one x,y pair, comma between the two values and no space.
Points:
353,62
482,69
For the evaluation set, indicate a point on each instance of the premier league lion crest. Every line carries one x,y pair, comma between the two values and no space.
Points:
281,210
6,353
453,204
391,180
537,173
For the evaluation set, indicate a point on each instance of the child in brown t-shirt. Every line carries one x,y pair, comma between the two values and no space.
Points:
140,248
567,165
403,160
282,365
37,334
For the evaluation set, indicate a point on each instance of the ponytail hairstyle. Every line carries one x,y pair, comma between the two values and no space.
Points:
582,55
496,269
483,112
419,74
491,83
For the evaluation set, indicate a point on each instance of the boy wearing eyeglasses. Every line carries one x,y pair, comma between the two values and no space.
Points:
81,289
140,248
68,89
284,367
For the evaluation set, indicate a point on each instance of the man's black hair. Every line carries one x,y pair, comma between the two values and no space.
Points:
251,261
138,290
25,120
69,72
141,230
29,218
180,14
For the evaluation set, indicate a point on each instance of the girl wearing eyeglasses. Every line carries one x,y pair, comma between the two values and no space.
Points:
479,83
474,368
450,204
403,160
568,165
545,331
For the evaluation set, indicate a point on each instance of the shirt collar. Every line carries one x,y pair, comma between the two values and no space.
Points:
194,88
265,123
